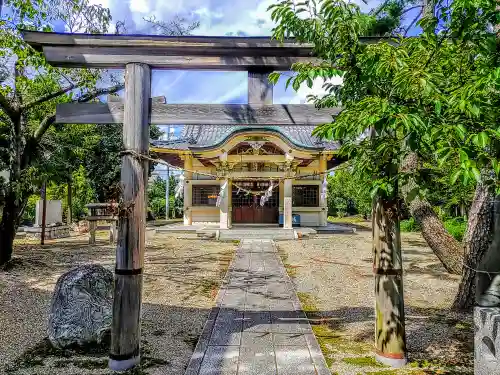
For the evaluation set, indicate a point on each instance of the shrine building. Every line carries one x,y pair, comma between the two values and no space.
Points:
243,161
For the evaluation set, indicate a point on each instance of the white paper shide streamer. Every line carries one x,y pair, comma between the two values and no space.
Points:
268,194
324,188
179,190
222,194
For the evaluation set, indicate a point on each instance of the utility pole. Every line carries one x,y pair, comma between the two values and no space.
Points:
167,193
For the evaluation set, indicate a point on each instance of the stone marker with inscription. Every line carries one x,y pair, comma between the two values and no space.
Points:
53,221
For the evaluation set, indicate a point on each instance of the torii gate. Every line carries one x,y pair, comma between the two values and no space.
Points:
138,55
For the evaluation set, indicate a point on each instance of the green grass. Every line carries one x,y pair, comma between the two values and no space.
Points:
346,219
409,225
456,227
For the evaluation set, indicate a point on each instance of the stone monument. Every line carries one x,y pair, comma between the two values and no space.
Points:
81,308
487,310
53,221
53,214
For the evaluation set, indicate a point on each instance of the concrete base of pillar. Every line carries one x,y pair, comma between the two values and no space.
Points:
487,341
393,362
123,365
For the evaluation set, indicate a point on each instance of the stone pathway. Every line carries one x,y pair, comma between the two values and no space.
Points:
257,326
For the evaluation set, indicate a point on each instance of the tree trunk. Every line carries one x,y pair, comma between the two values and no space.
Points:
447,248
477,239
390,339
8,227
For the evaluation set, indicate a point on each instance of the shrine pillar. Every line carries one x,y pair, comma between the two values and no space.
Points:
323,203
225,213
188,190
287,203
225,192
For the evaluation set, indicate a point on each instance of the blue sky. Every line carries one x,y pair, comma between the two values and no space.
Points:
216,17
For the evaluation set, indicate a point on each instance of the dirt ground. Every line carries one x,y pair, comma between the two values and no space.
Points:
180,284
334,280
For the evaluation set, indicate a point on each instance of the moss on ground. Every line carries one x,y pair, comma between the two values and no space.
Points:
331,341
291,270
362,361
208,287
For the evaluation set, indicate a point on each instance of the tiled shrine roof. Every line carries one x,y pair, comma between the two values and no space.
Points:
199,137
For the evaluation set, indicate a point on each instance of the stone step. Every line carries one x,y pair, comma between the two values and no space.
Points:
231,235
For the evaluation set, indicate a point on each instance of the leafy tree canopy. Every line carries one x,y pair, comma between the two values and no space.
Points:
435,94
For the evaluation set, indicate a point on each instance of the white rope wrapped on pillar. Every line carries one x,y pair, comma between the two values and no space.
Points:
222,194
179,190
268,194
324,188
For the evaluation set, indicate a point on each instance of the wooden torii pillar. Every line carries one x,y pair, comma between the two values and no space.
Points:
138,55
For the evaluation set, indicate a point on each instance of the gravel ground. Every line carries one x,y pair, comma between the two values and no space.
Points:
180,284
334,275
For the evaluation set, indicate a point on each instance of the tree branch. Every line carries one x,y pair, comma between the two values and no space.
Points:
92,95
409,9
9,110
44,125
46,97
49,120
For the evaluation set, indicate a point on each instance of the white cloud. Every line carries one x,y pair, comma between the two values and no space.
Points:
217,17
104,3
141,6
316,89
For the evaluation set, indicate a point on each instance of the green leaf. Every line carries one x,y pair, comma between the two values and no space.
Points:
437,107
309,82
455,176
274,77
463,156
476,173
484,139
496,166
445,157
461,131
465,177
374,191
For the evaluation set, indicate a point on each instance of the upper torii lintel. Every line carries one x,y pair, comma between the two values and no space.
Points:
164,52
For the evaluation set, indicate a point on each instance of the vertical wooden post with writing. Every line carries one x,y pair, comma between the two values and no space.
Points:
126,326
